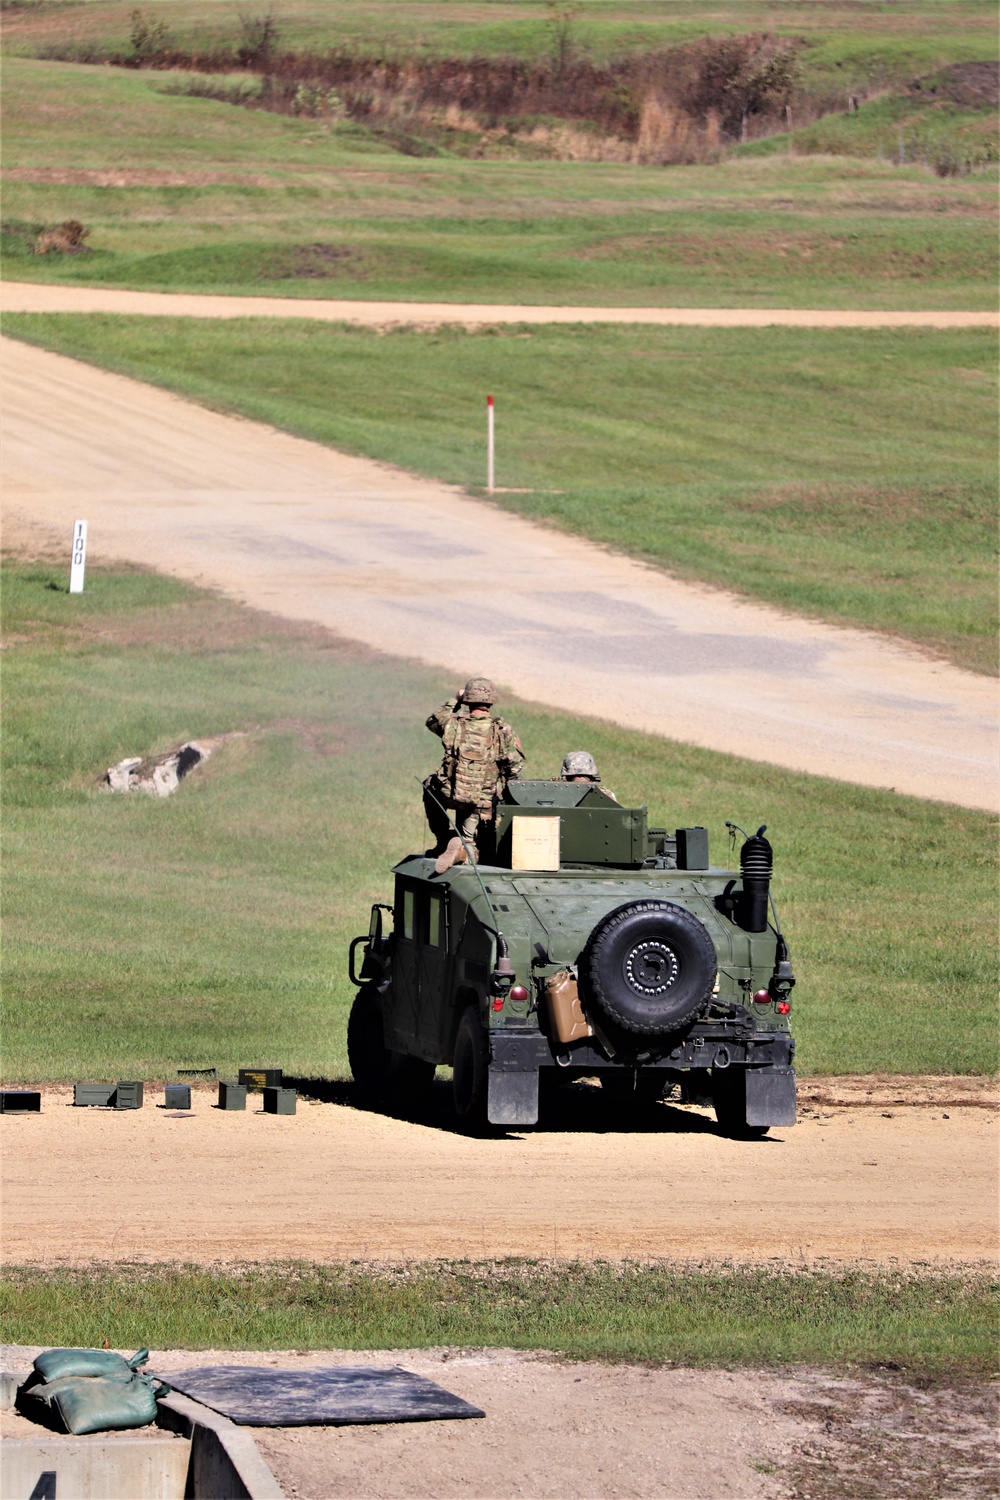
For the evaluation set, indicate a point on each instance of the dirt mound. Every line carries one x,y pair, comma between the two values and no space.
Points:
880,1090
66,239
973,85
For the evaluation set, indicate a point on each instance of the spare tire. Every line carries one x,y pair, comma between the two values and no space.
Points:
650,966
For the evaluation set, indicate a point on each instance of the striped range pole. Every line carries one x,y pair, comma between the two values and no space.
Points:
489,444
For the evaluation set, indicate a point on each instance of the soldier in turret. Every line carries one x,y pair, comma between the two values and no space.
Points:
481,754
580,765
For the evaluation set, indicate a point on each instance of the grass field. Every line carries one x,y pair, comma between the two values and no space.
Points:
845,474
927,1324
190,194
867,35
141,936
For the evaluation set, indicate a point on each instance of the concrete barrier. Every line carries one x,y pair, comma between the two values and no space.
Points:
208,1458
94,1468
225,1461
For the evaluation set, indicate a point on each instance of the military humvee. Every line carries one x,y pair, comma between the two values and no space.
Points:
591,946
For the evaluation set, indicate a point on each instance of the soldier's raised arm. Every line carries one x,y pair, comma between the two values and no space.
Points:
437,722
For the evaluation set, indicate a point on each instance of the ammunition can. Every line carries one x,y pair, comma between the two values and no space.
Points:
279,1101
20,1101
692,848
256,1079
91,1095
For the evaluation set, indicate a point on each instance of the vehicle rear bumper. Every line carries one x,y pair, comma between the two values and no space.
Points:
527,1051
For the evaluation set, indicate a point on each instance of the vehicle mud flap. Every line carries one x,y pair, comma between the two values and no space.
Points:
770,1096
513,1097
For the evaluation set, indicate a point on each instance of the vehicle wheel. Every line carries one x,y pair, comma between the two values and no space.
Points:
408,1079
471,1070
650,966
729,1099
367,1053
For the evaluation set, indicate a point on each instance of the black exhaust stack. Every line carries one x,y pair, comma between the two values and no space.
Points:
756,864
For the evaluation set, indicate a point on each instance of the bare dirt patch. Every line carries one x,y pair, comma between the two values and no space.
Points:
560,1429
131,177
316,262
972,85
876,1437
850,1182
915,1091
564,1430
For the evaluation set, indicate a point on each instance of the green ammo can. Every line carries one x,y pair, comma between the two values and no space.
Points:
256,1079
100,1095
279,1101
232,1095
177,1096
128,1096
692,848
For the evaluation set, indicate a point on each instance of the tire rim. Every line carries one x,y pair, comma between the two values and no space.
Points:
650,968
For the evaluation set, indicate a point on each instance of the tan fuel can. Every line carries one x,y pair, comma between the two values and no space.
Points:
568,1020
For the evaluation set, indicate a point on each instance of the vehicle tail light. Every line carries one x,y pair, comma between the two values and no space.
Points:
518,992
762,997
782,1007
498,1003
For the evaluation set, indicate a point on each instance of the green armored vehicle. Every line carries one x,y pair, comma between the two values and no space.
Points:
592,946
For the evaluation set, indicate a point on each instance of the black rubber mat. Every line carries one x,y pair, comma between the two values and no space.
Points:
334,1396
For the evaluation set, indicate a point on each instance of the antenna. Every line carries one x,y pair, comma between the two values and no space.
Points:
470,851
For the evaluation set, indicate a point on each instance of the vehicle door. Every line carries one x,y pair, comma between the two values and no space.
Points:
401,1027
432,917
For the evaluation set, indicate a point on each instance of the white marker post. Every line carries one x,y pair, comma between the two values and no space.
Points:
79,562
489,444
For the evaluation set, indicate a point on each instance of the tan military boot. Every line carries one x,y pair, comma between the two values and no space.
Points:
454,855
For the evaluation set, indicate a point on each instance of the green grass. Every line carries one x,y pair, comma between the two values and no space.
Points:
212,197
844,474
928,1324
142,936
898,128
868,38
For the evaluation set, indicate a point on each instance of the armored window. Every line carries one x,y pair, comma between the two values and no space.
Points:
408,922
435,925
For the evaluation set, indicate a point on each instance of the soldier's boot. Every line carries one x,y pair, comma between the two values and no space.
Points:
454,855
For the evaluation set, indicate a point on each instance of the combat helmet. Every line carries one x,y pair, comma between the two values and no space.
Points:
479,690
579,763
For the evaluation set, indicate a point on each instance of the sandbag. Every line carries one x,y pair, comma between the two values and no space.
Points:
54,1363
98,1403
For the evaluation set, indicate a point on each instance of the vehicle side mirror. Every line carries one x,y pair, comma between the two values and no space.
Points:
375,929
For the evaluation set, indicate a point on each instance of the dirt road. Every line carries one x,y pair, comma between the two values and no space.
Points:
30,297
915,1182
399,562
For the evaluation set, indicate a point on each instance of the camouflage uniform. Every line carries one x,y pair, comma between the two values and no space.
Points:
579,765
481,754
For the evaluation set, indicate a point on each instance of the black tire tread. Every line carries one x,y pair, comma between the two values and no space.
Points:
471,1112
367,1053
602,939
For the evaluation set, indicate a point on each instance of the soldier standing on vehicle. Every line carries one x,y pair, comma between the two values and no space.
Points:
481,754
580,765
